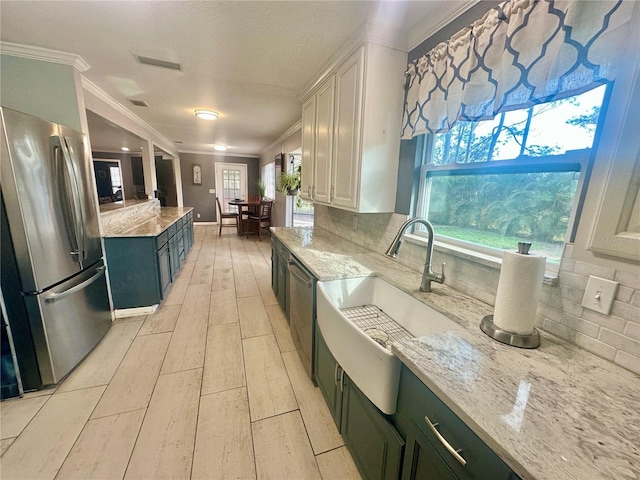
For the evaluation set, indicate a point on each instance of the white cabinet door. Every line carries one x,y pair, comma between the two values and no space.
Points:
324,142
347,128
308,146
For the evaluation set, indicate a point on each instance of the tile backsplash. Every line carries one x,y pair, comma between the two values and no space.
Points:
615,337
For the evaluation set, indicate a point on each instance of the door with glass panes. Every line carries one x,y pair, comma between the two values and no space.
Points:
231,184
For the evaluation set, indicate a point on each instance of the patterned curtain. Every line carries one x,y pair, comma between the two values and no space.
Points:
521,53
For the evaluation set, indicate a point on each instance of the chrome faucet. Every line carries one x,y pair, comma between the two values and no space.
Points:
428,275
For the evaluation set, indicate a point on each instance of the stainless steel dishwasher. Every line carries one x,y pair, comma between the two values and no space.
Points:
301,299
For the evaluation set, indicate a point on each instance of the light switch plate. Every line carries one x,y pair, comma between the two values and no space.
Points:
599,294
212,190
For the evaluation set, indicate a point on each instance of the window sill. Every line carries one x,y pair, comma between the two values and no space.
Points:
491,261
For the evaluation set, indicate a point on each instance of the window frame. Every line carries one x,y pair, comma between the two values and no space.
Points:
580,161
268,176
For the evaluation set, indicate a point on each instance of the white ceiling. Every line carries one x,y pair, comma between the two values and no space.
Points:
247,60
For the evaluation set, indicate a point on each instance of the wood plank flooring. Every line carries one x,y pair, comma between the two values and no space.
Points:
208,387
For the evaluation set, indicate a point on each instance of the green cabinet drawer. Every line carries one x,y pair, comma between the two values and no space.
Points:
173,228
418,405
162,240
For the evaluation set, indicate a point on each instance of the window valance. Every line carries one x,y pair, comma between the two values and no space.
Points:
520,53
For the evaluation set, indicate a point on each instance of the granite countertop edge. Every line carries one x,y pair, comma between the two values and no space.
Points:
146,225
554,373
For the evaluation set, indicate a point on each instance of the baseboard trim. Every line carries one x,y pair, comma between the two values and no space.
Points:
135,312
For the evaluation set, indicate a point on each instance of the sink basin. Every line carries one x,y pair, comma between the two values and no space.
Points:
348,308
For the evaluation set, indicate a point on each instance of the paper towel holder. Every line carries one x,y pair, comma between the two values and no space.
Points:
514,339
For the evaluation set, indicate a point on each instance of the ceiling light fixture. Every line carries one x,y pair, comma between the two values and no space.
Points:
206,114
220,148
125,149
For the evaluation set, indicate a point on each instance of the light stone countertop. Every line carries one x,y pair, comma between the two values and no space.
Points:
122,204
553,413
145,225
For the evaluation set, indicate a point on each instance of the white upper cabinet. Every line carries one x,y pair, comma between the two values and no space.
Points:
346,150
353,139
308,147
321,189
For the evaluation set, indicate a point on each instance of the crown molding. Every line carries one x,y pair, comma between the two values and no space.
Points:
44,55
367,33
161,141
290,131
219,154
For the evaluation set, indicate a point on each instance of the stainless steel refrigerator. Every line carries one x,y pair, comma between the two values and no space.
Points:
59,296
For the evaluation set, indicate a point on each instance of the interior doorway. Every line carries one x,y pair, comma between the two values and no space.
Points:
165,177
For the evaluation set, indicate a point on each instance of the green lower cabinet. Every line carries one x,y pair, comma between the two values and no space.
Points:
274,265
174,253
142,269
164,269
374,444
446,449
135,266
326,373
280,274
421,461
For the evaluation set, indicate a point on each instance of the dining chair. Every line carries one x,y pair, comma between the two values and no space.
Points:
260,220
225,215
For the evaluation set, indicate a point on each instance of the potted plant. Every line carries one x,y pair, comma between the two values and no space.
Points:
288,183
262,188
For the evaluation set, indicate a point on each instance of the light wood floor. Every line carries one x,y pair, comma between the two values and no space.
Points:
208,387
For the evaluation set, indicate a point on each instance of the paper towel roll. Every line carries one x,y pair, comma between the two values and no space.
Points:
519,288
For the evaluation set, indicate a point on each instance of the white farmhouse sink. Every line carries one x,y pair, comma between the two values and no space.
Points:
373,368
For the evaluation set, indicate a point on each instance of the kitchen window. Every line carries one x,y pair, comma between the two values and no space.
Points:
268,176
485,185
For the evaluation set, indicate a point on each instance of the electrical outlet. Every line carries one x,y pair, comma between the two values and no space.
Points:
212,190
599,294
197,215
354,222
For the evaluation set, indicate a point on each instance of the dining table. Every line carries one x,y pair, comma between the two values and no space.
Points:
244,206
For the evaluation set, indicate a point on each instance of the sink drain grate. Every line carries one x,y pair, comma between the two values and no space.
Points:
367,317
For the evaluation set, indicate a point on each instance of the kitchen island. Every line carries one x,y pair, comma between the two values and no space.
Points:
556,412
145,247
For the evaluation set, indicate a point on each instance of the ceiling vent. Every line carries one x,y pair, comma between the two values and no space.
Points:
139,103
158,63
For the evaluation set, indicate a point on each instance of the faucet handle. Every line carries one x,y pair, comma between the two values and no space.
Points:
441,274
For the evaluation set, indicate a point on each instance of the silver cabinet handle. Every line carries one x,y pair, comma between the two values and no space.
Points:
443,441
335,375
341,379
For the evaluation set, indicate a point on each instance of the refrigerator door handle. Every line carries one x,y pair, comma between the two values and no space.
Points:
77,201
82,220
52,297
69,220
